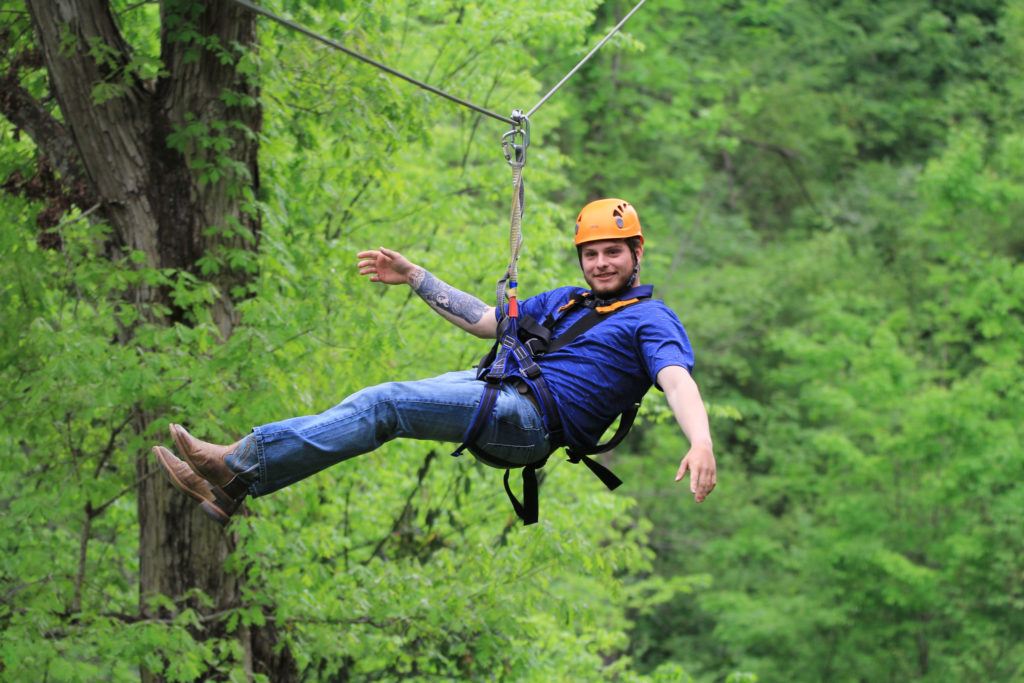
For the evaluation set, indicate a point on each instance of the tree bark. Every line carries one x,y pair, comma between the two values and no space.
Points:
157,203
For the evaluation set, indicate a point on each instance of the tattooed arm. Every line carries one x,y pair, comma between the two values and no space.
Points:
457,307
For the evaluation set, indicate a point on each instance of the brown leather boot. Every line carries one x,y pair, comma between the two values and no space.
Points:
182,476
226,500
205,459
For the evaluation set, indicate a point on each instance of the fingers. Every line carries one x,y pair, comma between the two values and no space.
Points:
702,478
683,466
371,260
701,484
698,487
368,266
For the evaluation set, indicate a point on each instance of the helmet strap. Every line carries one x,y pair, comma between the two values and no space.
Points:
636,270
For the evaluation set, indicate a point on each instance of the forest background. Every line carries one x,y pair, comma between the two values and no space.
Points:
832,195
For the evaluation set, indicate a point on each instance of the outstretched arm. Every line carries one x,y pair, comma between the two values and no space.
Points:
684,399
461,309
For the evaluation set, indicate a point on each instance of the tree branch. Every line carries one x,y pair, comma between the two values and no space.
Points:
421,475
29,115
59,155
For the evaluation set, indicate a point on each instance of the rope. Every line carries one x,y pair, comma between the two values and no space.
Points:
352,53
515,237
514,143
584,60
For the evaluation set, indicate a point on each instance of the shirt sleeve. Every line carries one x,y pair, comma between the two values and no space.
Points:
663,341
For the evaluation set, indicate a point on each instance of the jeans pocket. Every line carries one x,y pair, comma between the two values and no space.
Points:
514,454
514,444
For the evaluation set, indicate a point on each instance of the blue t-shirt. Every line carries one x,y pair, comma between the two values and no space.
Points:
608,368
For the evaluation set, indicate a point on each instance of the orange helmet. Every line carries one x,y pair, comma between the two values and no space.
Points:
607,219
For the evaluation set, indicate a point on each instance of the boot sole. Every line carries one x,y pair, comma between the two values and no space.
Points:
215,513
200,491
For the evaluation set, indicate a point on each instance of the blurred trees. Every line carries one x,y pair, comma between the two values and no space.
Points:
831,195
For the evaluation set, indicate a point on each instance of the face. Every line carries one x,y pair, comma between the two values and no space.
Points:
607,265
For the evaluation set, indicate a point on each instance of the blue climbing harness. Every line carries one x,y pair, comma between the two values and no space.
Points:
517,357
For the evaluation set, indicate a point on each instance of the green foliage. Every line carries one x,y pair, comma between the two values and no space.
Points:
401,564
857,533
831,195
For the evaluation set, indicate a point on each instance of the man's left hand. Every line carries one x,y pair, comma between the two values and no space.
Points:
700,462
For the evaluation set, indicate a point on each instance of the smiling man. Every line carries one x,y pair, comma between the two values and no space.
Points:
608,345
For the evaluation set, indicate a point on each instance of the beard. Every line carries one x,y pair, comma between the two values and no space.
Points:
612,287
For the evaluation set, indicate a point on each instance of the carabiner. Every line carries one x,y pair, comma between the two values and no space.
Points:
515,152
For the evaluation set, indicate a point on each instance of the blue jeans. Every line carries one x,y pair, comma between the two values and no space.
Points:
436,409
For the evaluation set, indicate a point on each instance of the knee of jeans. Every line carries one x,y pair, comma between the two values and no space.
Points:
375,392
382,400
374,396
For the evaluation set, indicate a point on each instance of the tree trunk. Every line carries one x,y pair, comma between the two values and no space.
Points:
162,201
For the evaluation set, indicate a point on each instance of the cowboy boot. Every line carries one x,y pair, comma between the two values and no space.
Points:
182,476
226,501
206,460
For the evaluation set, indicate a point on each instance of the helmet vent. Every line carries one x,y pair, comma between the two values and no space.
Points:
617,212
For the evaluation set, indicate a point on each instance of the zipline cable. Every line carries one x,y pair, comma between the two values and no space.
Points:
584,60
383,67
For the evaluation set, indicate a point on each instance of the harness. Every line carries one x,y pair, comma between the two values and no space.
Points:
515,357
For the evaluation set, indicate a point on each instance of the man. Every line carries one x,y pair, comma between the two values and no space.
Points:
590,380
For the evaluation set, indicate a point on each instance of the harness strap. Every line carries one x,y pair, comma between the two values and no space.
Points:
575,300
480,418
625,423
549,411
606,476
529,509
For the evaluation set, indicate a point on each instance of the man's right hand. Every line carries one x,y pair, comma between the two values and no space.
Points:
385,265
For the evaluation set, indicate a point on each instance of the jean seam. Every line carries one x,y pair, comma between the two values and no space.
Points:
363,411
262,460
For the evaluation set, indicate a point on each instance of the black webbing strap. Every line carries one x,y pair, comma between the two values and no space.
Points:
589,319
625,423
480,418
529,509
593,316
606,476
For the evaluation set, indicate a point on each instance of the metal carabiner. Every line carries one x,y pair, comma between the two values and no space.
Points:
515,152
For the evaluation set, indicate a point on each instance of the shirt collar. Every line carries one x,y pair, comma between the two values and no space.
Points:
638,292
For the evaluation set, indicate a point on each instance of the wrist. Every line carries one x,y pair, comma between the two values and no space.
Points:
702,444
415,276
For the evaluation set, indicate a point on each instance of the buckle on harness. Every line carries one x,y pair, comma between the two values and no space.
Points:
535,346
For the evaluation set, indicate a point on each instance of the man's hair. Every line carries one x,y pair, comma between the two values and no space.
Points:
632,243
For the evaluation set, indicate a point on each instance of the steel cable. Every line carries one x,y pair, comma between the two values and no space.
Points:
584,60
383,67
458,100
